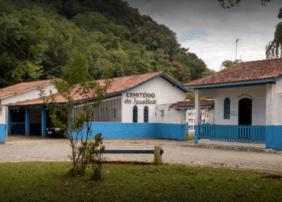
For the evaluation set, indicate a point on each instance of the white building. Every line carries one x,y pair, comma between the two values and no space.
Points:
135,107
207,112
248,103
17,93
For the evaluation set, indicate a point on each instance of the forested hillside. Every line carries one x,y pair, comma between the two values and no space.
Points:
40,37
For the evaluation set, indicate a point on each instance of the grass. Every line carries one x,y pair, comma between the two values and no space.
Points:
46,181
189,138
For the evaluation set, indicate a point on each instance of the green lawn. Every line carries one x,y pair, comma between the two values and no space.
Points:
189,138
40,181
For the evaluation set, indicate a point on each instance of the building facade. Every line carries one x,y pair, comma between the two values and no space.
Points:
134,107
247,101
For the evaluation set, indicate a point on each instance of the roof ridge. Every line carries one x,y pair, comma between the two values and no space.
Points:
160,72
33,81
262,60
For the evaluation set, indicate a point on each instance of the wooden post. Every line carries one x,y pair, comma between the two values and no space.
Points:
158,156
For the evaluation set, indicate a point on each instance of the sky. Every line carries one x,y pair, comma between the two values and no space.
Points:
210,31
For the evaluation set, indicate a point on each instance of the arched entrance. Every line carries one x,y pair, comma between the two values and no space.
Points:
245,117
245,111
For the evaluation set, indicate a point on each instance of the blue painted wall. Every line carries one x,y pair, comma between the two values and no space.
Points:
2,133
17,128
273,137
138,130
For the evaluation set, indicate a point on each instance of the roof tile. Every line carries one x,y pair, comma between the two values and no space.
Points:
246,71
191,103
20,87
118,85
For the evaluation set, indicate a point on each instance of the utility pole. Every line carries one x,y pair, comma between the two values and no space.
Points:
236,47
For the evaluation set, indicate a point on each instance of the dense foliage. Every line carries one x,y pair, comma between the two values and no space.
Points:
38,37
274,48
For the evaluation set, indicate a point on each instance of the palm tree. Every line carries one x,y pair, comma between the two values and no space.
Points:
228,63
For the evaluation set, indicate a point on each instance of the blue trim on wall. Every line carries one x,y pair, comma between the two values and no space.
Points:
9,122
27,106
278,79
111,130
43,122
2,133
234,84
27,122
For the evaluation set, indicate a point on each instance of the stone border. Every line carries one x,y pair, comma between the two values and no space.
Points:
233,148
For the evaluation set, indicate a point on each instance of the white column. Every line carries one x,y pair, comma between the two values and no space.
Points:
269,104
197,107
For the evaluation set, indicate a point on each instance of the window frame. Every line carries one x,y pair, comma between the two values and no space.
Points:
135,114
146,114
226,108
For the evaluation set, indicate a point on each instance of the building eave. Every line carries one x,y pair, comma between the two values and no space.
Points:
124,91
235,84
23,91
192,107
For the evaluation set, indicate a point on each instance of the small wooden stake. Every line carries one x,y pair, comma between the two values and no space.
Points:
158,156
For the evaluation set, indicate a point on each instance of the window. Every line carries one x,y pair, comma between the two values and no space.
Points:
135,114
108,111
146,114
162,113
227,108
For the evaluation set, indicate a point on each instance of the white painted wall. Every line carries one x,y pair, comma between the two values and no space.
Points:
190,114
164,114
274,103
257,93
165,93
23,96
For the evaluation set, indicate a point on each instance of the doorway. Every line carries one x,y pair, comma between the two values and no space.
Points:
245,111
18,122
244,118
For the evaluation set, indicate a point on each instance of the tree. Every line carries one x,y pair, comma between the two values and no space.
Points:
196,66
274,48
78,125
207,72
23,41
191,96
228,63
231,3
181,73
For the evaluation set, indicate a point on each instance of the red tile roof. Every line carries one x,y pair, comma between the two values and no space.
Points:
20,87
118,85
255,70
192,103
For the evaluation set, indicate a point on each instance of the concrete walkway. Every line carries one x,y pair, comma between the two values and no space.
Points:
175,152
237,144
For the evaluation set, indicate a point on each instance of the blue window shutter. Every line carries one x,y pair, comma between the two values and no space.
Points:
135,114
227,108
146,114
